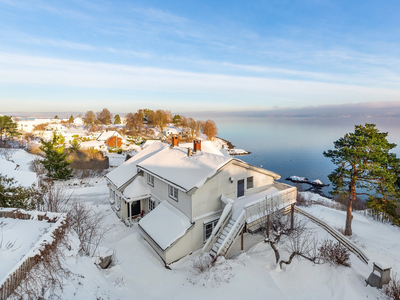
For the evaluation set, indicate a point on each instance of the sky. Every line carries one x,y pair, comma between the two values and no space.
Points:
198,55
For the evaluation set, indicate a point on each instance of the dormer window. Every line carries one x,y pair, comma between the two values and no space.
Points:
150,179
173,192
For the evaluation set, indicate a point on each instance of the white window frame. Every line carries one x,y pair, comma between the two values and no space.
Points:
211,225
173,192
151,205
252,182
150,179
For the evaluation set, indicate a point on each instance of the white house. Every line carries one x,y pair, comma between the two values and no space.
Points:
104,136
78,121
28,125
171,130
192,199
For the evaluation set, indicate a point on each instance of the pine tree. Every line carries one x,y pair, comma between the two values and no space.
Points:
117,119
56,162
365,167
14,195
71,119
8,126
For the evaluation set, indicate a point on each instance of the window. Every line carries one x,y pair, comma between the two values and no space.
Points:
150,179
173,192
152,205
208,229
249,182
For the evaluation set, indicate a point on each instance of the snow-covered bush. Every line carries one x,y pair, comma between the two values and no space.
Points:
334,253
203,263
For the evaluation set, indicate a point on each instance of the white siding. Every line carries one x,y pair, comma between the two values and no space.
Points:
208,198
160,190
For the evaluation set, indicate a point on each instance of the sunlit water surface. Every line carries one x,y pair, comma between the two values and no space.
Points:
295,146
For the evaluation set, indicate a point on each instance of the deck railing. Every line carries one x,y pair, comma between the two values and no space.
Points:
271,203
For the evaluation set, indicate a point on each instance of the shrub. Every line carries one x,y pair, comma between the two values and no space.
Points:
203,263
391,291
114,141
334,253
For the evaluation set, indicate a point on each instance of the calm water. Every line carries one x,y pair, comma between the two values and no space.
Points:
294,146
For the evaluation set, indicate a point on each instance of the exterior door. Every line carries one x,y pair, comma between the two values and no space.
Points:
240,188
133,208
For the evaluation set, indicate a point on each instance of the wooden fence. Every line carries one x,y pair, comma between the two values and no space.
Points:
13,280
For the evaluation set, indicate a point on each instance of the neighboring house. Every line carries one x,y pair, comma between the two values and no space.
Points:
78,121
103,137
193,199
28,125
97,145
170,131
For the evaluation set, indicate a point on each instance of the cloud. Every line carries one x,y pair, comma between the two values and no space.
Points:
235,91
364,109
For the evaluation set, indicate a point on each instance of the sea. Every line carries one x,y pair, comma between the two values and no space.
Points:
295,145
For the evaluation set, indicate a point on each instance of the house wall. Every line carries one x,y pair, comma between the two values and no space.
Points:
160,190
182,248
207,199
198,230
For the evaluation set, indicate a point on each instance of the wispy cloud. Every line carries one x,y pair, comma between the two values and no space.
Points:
30,70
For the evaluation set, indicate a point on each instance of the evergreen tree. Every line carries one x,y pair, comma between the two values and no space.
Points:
117,119
177,119
365,167
14,195
55,162
56,117
71,119
8,126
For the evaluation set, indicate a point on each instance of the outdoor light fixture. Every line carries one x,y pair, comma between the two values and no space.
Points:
231,179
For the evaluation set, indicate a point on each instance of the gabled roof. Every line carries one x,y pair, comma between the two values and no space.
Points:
165,224
106,135
137,190
174,166
185,172
128,169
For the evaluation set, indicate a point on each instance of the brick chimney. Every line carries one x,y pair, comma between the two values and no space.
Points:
196,145
175,141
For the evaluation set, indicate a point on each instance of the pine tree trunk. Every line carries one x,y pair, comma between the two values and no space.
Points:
349,216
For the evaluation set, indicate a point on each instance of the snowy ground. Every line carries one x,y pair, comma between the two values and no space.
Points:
140,274
17,237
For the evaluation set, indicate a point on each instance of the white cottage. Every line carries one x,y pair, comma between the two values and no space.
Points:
192,199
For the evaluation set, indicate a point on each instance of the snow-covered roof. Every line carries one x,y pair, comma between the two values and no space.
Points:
128,169
91,144
206,146
138,189
106,135
185,172
165,224
173,165
149,142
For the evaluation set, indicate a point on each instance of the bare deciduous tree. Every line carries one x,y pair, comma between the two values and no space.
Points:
210,129
104,117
